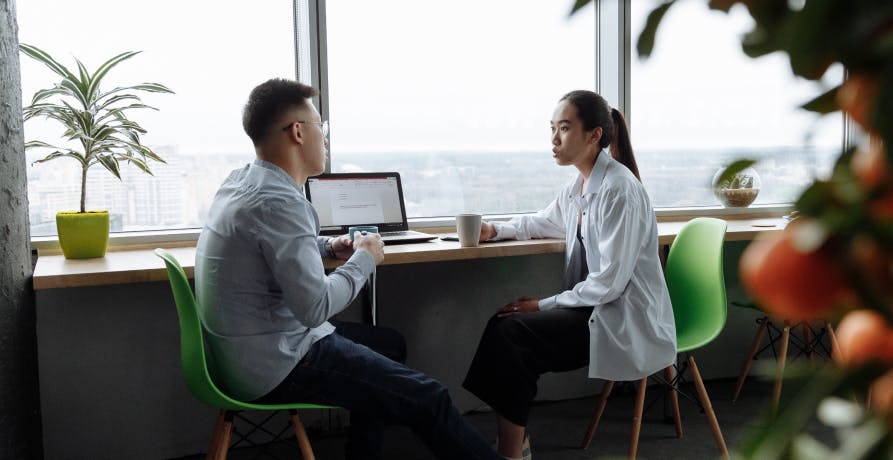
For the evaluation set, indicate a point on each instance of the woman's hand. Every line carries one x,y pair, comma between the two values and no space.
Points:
488,231
342,247
522,305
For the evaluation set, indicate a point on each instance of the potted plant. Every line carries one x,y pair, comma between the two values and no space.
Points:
737,191
97,131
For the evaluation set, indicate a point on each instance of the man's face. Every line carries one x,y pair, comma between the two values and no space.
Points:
315,145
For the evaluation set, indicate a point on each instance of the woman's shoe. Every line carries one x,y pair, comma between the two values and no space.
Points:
525,449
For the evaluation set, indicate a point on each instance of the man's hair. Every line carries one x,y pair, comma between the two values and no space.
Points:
268,101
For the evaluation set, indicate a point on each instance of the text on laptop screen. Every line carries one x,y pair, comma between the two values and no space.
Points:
356,201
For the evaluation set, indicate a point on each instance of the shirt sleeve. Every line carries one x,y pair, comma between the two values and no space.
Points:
547,223
292,249
622,232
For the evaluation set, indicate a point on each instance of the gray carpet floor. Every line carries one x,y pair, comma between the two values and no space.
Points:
557,429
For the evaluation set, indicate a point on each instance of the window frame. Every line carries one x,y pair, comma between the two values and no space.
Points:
613,45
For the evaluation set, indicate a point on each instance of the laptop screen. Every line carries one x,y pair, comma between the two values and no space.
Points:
345,199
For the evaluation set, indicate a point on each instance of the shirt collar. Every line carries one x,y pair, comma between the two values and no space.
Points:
596,176
279,173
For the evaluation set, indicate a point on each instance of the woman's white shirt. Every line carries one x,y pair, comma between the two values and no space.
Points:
632,333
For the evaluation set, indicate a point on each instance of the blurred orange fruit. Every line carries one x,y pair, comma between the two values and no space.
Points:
863,336
869,164
882,396
789,282
857,97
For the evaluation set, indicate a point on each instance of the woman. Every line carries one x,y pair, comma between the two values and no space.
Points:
614,314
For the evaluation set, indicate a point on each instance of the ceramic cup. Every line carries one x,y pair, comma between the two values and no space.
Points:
468,227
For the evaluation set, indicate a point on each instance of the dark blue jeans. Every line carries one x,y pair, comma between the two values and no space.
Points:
340,371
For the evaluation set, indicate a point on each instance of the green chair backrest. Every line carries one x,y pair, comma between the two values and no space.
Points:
696,284
192,345
192,348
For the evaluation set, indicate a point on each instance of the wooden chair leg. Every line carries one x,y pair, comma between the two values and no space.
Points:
597,415
301,435
637,418
222,447
669,375
807,337
215,435
835,347
782,357
748,361
708,408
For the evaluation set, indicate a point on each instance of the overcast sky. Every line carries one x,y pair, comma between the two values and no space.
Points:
461,75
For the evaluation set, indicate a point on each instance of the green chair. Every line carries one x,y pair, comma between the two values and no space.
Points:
697,289
198,379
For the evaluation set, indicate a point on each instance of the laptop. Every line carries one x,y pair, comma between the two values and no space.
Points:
343,200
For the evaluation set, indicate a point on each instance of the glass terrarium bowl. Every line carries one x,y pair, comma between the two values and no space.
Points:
740,191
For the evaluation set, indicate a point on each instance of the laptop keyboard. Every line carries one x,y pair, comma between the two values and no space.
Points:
400,233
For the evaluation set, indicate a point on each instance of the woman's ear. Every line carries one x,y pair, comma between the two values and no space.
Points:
595,135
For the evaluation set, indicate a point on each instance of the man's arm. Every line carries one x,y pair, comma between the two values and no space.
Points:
291,248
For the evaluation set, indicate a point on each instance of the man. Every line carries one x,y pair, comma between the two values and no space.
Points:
265,299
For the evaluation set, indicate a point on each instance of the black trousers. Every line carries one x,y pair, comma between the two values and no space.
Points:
515,350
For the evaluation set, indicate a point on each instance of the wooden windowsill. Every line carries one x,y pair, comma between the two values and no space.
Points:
140,265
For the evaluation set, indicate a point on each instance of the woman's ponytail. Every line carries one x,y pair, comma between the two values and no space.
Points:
621,148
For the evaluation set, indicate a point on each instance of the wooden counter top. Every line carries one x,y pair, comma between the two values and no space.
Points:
141,265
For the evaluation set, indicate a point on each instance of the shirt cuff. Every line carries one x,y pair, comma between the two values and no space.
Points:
503,231
325,246
548,303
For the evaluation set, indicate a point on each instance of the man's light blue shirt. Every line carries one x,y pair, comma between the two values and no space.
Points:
263,295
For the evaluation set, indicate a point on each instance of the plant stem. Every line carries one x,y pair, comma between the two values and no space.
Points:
83,189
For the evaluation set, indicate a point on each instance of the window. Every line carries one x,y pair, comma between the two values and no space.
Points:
456,96
699,102
210,53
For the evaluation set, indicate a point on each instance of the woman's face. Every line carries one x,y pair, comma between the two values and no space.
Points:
571,143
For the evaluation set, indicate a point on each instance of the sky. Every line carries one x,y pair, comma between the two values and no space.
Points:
441,76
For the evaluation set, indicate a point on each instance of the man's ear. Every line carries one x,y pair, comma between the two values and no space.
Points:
296,133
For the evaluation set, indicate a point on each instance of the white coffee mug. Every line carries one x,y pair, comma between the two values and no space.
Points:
468,227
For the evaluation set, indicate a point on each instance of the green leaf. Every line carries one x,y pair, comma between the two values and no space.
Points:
152,88
110,163
645,44
105,67
578,4
825,103
732,170
42,56
814,198
808,38
38,144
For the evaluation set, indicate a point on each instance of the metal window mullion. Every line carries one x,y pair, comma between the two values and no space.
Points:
613,53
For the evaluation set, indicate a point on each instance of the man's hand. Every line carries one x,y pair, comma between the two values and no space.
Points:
371,243
522,305
342,247
488,231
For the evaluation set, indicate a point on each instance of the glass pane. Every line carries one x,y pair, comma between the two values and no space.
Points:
456,96
699,102
210,53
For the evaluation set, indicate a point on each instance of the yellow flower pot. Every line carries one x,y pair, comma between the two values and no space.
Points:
83,235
